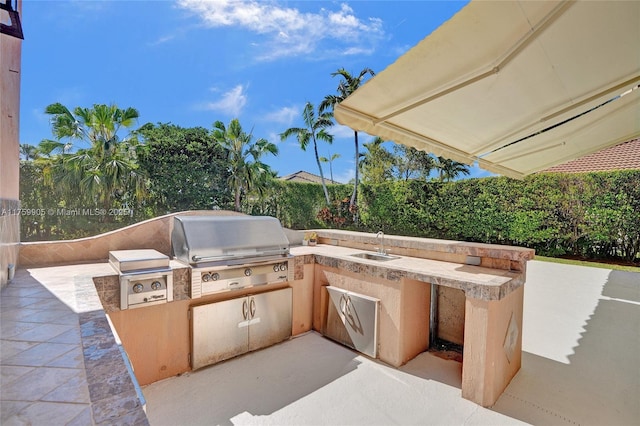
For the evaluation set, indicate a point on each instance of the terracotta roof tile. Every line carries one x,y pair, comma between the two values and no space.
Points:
306,177
625,156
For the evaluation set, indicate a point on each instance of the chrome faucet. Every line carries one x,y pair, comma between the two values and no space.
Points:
380,235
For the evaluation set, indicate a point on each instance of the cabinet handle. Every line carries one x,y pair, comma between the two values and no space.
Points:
347,306
245,310
343,299
253,307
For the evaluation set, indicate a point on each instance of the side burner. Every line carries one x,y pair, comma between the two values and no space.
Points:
137,260
145,277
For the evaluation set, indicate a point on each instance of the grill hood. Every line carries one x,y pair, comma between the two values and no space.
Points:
227,240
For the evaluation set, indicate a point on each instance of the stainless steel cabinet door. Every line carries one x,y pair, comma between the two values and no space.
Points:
219,331
270,318
352,319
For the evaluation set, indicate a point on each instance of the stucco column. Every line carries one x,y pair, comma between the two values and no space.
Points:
492,346
10,57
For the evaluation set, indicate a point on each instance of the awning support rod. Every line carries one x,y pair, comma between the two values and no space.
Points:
613,89
496,145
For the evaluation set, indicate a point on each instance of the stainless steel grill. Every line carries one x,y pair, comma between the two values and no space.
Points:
231,252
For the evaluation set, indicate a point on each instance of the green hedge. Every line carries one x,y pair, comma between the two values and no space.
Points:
46,215
594,215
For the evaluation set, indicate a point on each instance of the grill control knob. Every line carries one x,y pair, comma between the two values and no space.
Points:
137,288
276,268
155,285
283,267
247,272
206,277
215,276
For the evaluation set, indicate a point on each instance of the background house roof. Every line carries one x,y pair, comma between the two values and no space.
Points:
620,157
306,177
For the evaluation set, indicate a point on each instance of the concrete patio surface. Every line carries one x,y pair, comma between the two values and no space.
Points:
581,339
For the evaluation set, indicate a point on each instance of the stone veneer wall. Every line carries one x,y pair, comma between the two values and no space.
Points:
151,234
10,59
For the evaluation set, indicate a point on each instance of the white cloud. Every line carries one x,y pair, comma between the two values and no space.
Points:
401,50
284,115
477,172
273,137
352,51
162,40
260,17
288,31
344,176
71,97
40,116
231,102
342,132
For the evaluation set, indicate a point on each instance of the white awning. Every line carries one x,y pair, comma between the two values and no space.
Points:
517,86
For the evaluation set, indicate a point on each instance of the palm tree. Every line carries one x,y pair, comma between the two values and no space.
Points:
450,169
245,168
347,86
105,170
376,162
411,163
28,151
330,161
261,197
314,131
98,125
49,147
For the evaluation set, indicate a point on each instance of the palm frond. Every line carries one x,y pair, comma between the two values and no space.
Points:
322,135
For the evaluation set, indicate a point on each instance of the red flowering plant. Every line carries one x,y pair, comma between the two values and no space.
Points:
338,215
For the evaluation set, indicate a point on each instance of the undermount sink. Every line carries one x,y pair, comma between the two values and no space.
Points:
375,256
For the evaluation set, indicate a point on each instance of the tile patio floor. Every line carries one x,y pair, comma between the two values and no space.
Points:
59,362
43,379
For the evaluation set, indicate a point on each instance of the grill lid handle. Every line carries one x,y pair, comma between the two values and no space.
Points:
199,258
240,255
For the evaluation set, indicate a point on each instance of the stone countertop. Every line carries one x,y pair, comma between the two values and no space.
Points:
477,282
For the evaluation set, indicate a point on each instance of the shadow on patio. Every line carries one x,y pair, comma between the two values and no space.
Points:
259,383
600,382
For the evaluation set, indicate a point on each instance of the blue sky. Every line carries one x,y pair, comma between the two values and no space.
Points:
192,62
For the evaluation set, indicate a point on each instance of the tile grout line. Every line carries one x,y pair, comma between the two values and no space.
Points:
45,311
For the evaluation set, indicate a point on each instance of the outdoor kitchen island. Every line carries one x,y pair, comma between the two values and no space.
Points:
490,279
480,296
479,289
